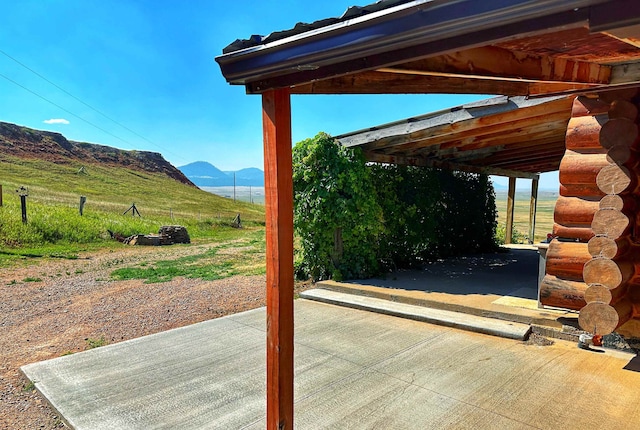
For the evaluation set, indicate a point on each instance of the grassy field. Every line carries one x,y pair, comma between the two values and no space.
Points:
544,215
56,229
246,194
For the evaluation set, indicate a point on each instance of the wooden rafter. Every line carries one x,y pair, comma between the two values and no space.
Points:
504,64
492,62
449,135
375,82
513,155
440,164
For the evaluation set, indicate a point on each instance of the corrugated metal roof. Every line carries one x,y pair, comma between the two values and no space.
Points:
302,27
509,136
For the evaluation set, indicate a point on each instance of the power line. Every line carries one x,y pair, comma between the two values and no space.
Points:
66,110
84,103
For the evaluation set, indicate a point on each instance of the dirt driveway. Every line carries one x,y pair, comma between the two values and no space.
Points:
62,306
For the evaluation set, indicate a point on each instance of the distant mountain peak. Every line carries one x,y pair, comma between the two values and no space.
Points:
205,174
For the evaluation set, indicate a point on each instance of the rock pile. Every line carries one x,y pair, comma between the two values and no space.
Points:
167,235
175,233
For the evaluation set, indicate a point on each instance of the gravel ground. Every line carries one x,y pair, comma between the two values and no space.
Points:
75,301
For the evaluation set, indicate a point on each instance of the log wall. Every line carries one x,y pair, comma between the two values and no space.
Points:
593,265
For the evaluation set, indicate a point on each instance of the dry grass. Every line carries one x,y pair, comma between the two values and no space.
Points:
544,215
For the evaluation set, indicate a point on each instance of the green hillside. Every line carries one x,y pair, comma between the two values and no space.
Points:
54,192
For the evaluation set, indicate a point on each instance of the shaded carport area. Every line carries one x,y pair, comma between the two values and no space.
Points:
516,137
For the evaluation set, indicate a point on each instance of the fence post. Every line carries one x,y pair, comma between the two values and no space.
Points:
23,205
23,192
83,200
0,195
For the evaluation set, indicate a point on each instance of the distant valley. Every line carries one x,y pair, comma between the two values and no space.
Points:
205,174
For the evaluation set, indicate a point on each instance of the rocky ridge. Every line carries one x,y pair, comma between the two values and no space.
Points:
24,142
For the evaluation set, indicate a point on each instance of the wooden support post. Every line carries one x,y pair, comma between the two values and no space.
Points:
508,232
276,121
0,195
533,206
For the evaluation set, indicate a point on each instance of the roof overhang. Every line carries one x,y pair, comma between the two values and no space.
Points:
505,136
510,47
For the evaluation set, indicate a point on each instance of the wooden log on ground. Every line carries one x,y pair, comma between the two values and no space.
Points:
581,190
619,131
566,260
623,109
587,106
581,233
610,273
614,179
584,132
601,318
577,168
562,293
575,210
611,223
605,247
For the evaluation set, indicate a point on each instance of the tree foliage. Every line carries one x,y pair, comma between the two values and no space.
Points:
336,216
354,220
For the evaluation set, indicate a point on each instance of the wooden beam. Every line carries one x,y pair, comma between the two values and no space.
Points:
505,64
276,121
441,164
533,205
625,73
508,232
375,82
513,153
517,134
524,158
540,167
457,153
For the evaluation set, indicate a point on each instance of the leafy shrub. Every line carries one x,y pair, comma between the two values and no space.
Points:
386,216
336,215
431,213
516,235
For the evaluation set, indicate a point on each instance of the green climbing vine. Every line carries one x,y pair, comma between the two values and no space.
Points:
354,220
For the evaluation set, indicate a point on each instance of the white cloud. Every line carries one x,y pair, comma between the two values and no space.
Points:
56,121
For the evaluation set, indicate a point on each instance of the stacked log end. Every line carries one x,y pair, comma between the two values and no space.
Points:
600,189
563,285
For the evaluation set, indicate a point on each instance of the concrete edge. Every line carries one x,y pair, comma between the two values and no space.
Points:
44,396
473,323
398,296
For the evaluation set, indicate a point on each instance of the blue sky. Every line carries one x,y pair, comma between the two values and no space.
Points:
149,65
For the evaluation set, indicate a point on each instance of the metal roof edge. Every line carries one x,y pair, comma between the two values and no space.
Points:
399,26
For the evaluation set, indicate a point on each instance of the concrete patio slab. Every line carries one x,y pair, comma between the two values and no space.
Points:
354,370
